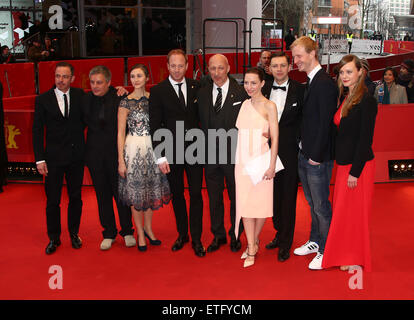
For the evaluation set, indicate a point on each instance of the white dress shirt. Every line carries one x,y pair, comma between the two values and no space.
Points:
183,87
312,74
61,102
279,97
224,90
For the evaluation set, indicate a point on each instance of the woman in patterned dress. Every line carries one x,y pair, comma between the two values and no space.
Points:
141,184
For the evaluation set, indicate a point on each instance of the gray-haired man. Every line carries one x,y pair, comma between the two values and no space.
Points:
101,110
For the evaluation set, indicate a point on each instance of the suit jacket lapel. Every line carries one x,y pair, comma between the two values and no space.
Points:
190,94
315,78
209,103
267,89
290,99
54,105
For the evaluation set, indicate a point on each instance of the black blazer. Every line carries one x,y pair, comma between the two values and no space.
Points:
355,135
317,128
231,107
289,122
65,142
102,137
165,110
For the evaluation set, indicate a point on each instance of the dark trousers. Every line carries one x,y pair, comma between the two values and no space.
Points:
285,193
105,180
215,175
194,175
73,173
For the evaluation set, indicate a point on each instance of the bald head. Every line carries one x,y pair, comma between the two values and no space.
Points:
218,67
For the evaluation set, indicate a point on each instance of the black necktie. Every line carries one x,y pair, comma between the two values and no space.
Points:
217,105
277,87
306,87
180,94
66,105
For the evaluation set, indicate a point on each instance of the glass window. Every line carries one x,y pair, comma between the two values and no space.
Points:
163,30
164,3
111,2
6,29
20,23
4,4
111,31
22,4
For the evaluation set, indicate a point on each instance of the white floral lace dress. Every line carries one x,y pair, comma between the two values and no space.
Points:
145,186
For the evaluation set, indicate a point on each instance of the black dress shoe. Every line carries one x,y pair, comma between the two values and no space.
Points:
283,254
76,241
216,243
198,248
142,248
179,243
235,245
155,242
272,244
51,247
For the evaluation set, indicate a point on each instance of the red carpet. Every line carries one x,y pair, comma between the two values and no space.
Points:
126,273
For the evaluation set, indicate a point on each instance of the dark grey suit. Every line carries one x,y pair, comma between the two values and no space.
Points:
216,173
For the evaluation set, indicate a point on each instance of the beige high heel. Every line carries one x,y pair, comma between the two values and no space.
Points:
249,261
245,253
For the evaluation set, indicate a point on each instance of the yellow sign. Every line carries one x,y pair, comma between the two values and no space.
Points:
11,132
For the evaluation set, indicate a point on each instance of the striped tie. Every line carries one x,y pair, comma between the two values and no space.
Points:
217,105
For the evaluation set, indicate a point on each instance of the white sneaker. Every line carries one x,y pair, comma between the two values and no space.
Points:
106,244
316,263
308,248
130,241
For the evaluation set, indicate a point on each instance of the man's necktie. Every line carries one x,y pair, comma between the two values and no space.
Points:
65,98
277,87
217,105
306,87
180,94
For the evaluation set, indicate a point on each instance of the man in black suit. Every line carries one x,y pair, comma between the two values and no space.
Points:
59,111
287,94
219,105
316,145
101,116
173,104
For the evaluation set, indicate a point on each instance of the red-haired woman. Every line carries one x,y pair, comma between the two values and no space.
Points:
348,239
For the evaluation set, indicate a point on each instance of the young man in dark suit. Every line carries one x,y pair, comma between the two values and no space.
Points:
173,104
316,145
59,111
219,104
287,94
101,116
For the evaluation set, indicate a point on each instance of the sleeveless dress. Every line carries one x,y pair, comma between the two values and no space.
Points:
145,186
348,238
252,201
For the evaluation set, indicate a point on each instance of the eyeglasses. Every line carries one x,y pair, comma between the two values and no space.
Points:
65,77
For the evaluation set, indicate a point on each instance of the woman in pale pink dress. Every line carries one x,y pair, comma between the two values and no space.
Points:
254,202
